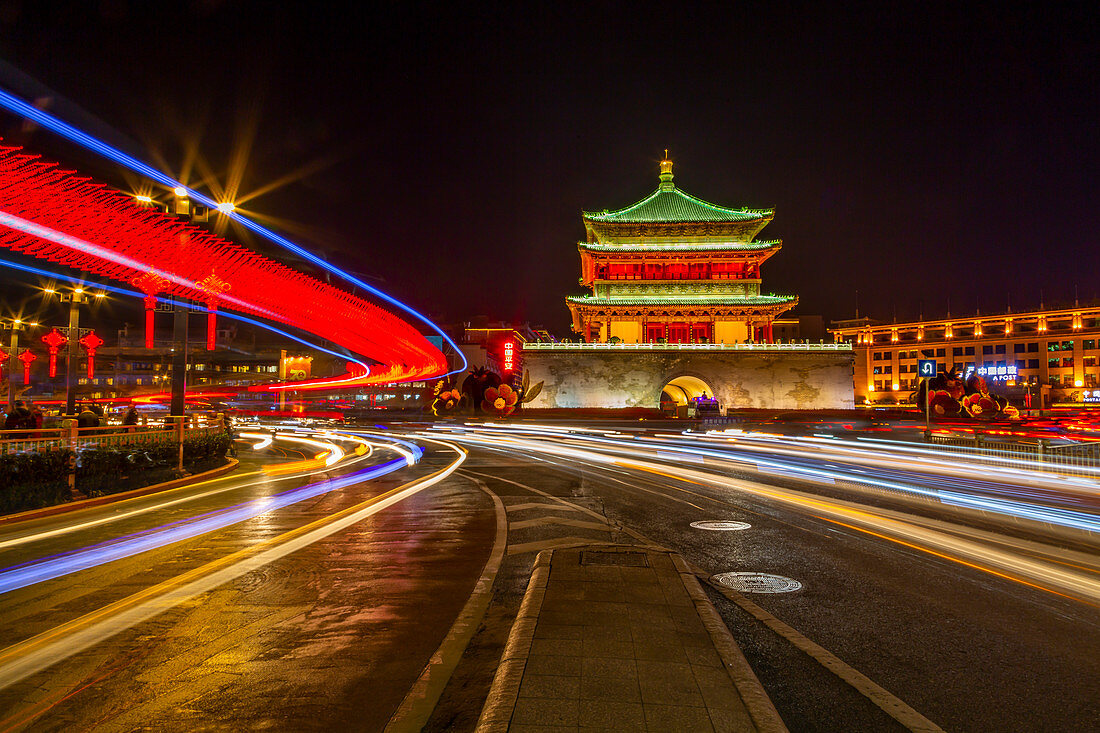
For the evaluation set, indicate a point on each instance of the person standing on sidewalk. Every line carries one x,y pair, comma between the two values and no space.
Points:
130,419
37,420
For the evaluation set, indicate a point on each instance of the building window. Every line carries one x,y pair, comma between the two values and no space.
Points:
1033,347
929,353
970,351
1021,365
941,352
1018,348
1088,344
887,369
1000,349
1067,361
1054,363
957,351
988,349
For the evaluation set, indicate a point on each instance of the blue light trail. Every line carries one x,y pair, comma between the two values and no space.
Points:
48,121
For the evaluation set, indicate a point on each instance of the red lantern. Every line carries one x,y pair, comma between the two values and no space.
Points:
213,285
91,342
150,283
54,340
27,357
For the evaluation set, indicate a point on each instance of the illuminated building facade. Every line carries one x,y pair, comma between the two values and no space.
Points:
674,268
1055,350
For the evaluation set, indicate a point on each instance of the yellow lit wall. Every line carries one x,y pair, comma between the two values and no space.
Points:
729,332
629,331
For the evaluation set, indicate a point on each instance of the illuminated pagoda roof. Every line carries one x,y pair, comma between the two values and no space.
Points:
674,205
670,204
682,300
683,246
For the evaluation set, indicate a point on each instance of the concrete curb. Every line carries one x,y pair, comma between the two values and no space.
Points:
73,506
760,707
496,715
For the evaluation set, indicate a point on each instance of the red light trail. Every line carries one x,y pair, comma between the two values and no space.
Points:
58,216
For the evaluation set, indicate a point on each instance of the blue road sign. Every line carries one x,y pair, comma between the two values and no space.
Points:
928,367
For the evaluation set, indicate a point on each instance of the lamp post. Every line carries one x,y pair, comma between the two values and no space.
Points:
15,326
74,298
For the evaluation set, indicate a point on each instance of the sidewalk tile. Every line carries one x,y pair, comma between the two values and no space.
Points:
660,648
639,576
609,667
557,686
609,592
608,648
534,711
730,719
570,666
557,631
610,688
556,648
716,687
608,633
704,656
676,719
542,729
627,716
668,683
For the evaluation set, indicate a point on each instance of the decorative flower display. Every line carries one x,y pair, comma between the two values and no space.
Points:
943,404
500,401
446,398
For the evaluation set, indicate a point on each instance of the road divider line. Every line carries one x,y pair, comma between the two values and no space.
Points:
49,647
889,703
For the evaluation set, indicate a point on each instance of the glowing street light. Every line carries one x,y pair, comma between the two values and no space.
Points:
226,207
180,191
144,199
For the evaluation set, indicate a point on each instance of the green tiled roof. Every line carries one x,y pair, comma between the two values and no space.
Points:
683,300
681,247
670,204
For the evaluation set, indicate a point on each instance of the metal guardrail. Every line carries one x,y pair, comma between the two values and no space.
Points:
1054,456
546,346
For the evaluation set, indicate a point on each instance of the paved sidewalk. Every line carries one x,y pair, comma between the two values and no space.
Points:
622,638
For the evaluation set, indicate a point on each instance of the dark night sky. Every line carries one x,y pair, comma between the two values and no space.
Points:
915,154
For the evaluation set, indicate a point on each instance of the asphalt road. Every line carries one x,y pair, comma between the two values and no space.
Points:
960,626
328,636
961,592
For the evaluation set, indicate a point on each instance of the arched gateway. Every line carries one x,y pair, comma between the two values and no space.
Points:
685,389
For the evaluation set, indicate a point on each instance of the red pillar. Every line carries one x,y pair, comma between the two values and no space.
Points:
588,332
768,333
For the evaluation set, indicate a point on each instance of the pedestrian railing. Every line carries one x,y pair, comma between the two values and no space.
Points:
111,436
548,346
1043,454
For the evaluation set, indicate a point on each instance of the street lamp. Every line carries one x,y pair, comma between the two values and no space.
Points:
74,297
15,325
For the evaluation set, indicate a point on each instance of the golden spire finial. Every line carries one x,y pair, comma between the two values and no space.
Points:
666,173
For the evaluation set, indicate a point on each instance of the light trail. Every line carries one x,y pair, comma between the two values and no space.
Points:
893,476
37,571
1053,576
19,661
49,122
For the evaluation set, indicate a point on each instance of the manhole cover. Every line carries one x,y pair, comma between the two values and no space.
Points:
717,526
758,582
629,559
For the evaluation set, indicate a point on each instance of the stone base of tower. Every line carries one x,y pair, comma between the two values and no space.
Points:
787,377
